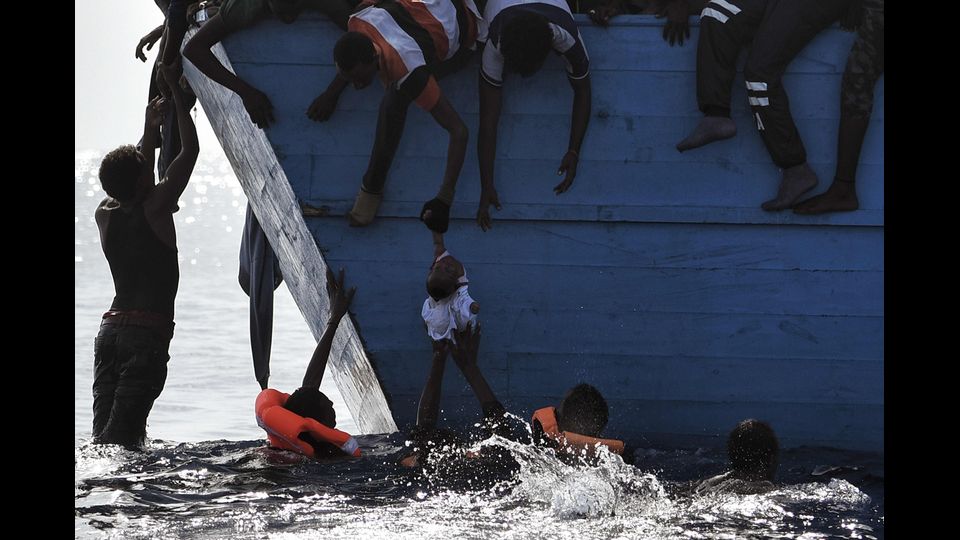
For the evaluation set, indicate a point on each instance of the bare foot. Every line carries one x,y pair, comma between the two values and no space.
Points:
841,196
710,129
795,182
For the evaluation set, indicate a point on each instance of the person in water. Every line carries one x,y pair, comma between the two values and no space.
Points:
442,451
575,428
753,451
448,307
305,421
139,240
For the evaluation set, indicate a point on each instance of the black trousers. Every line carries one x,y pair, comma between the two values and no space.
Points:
779,30
130,369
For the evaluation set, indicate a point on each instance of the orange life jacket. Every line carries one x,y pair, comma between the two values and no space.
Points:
283,427
547,417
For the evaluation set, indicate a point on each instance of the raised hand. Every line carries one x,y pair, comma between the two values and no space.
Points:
339,297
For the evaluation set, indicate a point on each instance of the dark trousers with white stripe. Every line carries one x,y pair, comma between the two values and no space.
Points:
780,29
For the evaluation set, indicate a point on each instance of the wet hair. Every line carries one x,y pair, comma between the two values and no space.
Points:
525,42
583,410
120,170
753,448
312,403
353,48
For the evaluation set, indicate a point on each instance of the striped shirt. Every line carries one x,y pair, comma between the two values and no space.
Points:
567,41
413,36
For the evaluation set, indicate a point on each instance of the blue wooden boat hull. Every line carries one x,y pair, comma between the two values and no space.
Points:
656,278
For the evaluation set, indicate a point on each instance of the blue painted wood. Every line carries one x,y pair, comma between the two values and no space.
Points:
656,277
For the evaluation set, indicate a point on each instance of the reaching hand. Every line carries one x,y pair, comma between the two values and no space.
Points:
156,110
467,347
604,13
323,106
147,41
258,106
487,197
569,166
677,26
339,298
435,214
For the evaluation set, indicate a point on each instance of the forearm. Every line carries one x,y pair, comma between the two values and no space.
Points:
456,150
481,388
318,362
199,52
189,145
490,103
150,141
337,85
581,114
429,410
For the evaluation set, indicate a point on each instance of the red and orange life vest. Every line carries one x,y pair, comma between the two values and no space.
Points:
283,427
547,417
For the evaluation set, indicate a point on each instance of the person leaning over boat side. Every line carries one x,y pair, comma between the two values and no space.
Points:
139,240
521,36
779,30
677,12
235,15
305,421
408,44
753,450
864,67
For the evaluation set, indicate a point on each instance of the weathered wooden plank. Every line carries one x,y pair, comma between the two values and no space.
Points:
303,267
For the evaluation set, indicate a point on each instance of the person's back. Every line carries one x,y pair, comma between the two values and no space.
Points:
145,270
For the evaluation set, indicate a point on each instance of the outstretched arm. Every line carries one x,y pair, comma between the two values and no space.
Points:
465,353
198,51
339,303
429,410
156,109
323,106
180,169
490,102
578,128
438,219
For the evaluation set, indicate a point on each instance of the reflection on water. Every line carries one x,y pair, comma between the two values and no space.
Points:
244,490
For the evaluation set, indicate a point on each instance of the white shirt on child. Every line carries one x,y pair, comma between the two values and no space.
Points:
448,314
